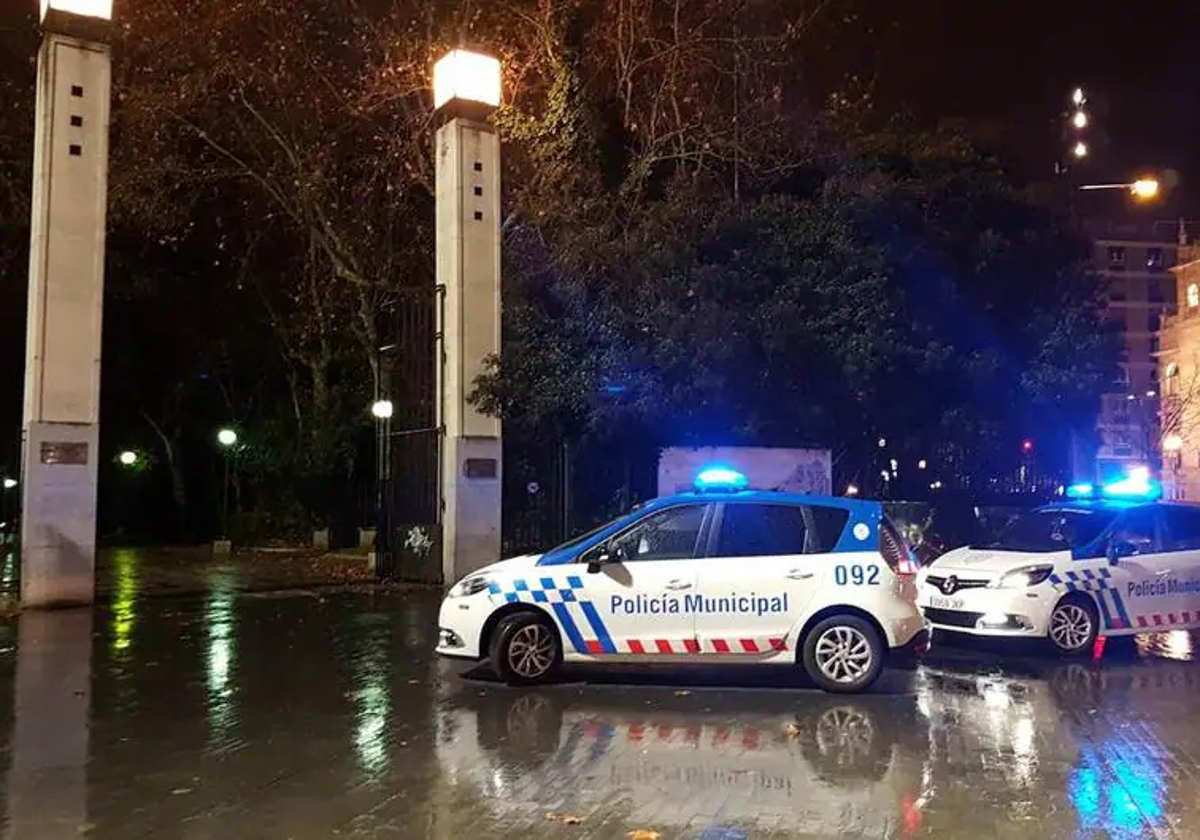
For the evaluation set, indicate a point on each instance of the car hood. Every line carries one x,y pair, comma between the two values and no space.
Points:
990,562
510,566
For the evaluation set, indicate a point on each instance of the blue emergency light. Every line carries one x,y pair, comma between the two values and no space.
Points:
1134,487
721,478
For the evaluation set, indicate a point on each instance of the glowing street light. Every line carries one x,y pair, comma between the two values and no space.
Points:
851,489
227,437
101,9
382,409
1078,97
469,76
1080,119
1145,188
128,458
1172,443
10,483
1080,150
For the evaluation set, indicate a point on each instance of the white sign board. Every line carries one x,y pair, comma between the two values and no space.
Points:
790,470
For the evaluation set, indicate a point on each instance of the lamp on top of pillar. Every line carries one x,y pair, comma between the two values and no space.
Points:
101,9
467,89
466,76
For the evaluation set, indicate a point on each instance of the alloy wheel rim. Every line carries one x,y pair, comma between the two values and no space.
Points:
843,654
1070,626
531,651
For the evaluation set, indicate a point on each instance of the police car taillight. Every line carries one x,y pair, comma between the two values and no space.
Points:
895,551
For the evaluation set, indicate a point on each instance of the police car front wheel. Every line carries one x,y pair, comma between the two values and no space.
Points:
843,653
1073,625
525,649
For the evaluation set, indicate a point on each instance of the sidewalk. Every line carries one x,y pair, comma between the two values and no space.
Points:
188,570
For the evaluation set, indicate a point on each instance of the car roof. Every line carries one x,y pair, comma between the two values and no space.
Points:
772,496
1114,504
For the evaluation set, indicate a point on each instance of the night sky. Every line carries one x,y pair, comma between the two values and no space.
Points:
1016,61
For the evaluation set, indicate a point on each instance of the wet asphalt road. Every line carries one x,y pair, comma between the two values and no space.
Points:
307,715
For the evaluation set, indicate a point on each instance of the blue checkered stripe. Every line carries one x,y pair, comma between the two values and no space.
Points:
538,590
1099,583
1085,580
564,598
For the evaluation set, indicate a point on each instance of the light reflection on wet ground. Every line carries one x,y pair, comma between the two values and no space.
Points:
309,715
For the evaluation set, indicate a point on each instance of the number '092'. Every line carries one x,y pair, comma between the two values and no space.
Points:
856,575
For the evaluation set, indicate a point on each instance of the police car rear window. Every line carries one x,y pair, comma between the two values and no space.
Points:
764,530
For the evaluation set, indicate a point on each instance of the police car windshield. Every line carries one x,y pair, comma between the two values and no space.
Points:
587,535
1053,529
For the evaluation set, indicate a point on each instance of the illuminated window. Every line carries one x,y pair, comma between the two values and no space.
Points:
1193,295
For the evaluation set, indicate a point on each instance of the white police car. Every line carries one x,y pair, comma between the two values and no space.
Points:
722,575
1110,562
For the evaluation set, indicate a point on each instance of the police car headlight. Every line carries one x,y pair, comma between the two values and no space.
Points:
468,586
1022,577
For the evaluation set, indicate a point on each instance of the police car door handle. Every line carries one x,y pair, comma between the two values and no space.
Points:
799,574
679,584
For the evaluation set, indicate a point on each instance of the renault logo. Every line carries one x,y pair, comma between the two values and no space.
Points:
949,585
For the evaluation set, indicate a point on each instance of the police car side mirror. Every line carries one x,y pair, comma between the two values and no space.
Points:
1120,548
603,556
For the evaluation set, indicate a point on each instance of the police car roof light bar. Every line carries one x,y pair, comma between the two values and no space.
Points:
721,478
1133,487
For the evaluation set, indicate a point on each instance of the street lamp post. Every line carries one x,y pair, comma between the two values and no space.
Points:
68,219
1143,189
227,438
382,410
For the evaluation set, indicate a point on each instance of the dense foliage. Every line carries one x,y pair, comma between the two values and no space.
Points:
711,235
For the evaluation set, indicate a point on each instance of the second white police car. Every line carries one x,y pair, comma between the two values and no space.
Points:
721,575
1108,561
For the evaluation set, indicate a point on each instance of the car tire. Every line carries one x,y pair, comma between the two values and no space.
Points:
843,654
525,649
1073,626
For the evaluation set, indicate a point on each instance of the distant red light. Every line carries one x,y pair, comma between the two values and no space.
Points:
1027,445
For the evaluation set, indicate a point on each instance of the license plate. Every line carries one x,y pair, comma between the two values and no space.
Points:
941,603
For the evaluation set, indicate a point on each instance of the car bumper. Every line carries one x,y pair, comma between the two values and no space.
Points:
460,626
990,612
901,621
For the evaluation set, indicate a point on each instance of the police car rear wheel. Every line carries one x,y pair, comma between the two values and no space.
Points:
843,653
525,649
1073,626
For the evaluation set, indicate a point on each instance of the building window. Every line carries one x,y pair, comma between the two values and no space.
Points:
1193,295
1154,259
1156,292
1116,257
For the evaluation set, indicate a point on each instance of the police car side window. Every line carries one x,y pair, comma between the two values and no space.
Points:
1183,529
667,535
749,530
1137,528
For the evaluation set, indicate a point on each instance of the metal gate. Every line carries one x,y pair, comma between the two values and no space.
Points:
411,492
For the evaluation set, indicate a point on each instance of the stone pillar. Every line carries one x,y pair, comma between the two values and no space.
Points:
66,293
468,272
